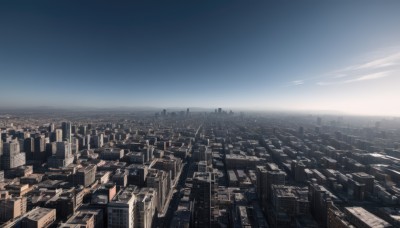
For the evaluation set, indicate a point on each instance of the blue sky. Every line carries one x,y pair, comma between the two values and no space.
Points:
287,55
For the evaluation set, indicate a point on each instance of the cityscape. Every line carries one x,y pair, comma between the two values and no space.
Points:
198,169
199,114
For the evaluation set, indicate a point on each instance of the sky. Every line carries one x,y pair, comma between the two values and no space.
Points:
280,55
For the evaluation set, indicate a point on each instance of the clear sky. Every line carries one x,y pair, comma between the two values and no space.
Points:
291,55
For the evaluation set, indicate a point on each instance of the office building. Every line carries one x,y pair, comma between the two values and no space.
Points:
85,176
146,201
121,210
158,180
201,194
11,208
66,131
63,156
12,157
39,217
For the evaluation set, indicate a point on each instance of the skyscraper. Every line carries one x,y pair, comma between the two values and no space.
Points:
29,148
66,131
201,194
12,156
51,127
59,135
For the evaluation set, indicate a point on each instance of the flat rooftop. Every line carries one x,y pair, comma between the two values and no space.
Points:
368,218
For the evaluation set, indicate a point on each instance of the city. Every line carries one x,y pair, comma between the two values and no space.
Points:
198,169
199,114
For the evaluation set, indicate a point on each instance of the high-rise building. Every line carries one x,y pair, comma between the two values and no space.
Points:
201,194
51,127
40,147
29,148
97,141
59,135
121,210
66,131
274,177
146,201
63,156
1,148
320,200
12,156
262,186
82,130
158,180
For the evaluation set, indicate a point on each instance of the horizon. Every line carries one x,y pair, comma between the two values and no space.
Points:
193,109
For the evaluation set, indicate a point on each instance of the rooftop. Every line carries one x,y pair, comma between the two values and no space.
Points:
367,217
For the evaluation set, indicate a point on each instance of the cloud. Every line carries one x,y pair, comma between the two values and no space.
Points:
357,79
384,65
387,61
373,69
370,77
297,82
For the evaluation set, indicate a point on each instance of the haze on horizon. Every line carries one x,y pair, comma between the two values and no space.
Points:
342,56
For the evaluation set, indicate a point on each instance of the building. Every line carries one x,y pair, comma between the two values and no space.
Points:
366,179
59,135
40,217
361,218
320,200
11,208
146,201
85,176
158,180
66,131
63,156
81,220
201,195
121,210
111,154
261,186
12,156
29,148
274,178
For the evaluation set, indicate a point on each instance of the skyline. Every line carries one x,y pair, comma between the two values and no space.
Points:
342,56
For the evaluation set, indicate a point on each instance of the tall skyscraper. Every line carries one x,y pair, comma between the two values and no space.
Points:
51,127
201,193
82,130
29,148
1,147
262,186
59,135
40,147
66,131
